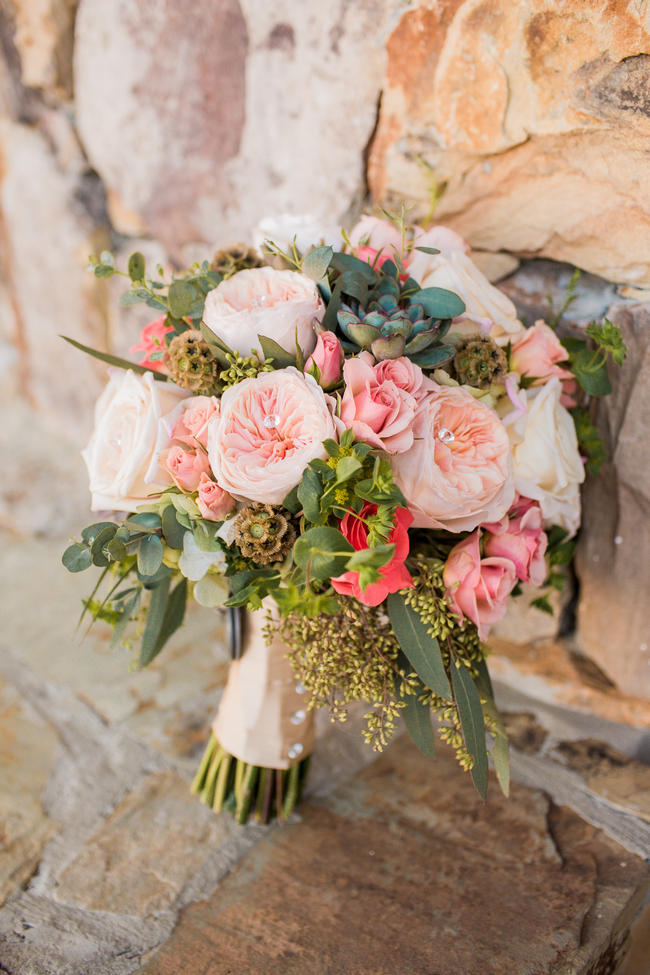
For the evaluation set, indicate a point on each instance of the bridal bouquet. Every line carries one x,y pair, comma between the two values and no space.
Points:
363,447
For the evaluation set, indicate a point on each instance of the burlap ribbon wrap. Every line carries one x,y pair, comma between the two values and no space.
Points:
262,717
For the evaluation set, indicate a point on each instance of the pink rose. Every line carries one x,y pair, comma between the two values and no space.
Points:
394,575
520,537
214,503
269,429
537,354
478,588
192,425
282,305
326,362
405,374
458,472
185,466
152,339
379,411
376,241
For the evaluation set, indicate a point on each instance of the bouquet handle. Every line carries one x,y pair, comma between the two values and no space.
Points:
262,735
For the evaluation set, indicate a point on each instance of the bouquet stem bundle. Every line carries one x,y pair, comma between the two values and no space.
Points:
245,789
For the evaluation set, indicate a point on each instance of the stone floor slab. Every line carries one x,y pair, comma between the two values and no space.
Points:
403,871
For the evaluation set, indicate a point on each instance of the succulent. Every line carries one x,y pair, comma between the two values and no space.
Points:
191,364
389,329
480,362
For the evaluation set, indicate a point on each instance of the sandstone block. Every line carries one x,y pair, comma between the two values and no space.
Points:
536,118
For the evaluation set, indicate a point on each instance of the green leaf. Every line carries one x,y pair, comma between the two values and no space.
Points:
128,298
218,348
136,266
422,649
291,502
271,350
323,552
608,337
316,263
104,271
427,250
500,749
310,490
117,550
589,440
150,555
376,557
76,558
166,613
102,538
173,531
346,467
417,717
181,297
543,604
144,521
592,375
472,724
90,532
126,614
439,302
115,360
347,262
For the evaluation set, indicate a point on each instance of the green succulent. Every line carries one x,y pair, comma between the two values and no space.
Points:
389,329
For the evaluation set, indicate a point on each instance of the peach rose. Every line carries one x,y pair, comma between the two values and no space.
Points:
520,537
325,364
487,309
214,503
457,474
152,340
191,427
537,353
122,454
478,588
270,428
405,374
545,456
282,305
185,466
380,412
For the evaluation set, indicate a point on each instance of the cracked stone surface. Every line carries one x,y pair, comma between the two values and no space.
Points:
109,866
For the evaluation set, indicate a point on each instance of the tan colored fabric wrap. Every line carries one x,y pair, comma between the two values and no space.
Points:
253,722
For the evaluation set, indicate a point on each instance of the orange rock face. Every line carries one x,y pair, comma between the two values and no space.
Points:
536,116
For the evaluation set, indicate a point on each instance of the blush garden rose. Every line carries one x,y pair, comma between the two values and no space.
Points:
281,305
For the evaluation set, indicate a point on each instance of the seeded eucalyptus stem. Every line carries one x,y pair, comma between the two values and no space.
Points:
225,782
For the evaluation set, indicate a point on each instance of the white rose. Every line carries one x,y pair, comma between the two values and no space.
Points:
282,305
545,456
486,308
121,457
305,229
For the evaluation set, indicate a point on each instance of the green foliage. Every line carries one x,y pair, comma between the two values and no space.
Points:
114,360
420,647
472,723
589,440
570,296
417,718
589,365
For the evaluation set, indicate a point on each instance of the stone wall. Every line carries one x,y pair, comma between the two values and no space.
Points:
174,125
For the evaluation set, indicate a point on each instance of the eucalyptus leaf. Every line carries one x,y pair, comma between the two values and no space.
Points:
102,538
173,531
316,263
218,349
472,724
181,297
76,558
348,262
150,555
127,612
291,502
136,266
417,717
422,649
144,521
155,616
115,360
427,250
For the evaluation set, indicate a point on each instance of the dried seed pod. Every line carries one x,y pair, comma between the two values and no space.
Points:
480,362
